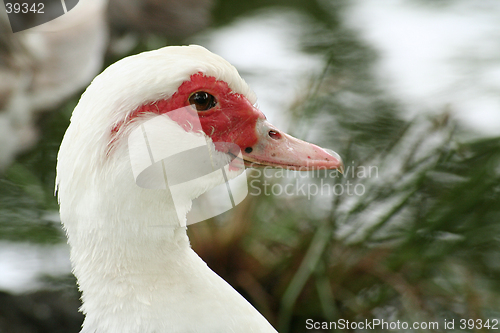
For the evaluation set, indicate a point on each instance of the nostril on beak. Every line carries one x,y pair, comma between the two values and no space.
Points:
274,134
248,150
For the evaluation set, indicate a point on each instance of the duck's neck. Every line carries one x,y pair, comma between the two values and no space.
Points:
149,280
133,283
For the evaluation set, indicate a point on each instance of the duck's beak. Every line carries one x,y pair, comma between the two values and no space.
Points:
277,149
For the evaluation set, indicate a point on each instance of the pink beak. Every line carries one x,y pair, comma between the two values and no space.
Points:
277,149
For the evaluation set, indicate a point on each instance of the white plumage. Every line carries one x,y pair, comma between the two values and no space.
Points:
136,277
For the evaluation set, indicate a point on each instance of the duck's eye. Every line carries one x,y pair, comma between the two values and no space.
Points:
202,101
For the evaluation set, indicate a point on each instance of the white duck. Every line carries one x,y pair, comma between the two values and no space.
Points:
136,276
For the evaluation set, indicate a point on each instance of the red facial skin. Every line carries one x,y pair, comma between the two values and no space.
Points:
232,119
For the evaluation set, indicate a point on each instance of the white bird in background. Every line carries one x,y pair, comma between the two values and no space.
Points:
131,256
42,66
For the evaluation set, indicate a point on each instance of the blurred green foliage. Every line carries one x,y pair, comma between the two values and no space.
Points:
421,243
27,203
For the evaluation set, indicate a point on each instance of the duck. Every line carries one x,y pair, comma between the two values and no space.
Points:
129,247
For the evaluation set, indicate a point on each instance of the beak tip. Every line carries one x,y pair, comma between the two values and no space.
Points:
340,167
